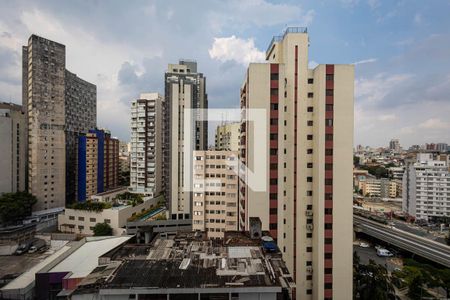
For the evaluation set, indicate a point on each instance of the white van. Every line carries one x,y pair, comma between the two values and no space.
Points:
384,252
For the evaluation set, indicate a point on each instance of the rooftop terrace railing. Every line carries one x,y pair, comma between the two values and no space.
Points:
279,38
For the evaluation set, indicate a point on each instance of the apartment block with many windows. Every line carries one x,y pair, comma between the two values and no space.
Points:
146,153
426,188
228,137
215,197
307,206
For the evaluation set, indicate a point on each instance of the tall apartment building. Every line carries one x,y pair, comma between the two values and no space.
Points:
426,188
309,131
81,116
185,88
98,163
59,106
394,145
13,137
215,187
228,137
146,167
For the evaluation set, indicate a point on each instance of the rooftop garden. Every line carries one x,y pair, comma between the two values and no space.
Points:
91,206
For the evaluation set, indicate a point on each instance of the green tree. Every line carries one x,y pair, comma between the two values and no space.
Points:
372,282
15,206
102,229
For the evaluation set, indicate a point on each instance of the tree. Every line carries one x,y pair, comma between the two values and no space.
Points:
372,282
15,206
102,229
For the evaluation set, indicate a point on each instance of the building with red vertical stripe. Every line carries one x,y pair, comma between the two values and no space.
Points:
307,205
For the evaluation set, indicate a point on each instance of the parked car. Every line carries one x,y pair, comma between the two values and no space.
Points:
384,252
23,248
364,245
37,245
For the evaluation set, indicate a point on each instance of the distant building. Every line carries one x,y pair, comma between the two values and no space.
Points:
215,200
59,106
396,172
13,146
185,88
236,267
146,167
228,137
442,147
394,145
98,163
426,188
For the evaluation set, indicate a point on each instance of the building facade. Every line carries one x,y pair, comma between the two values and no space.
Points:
426,188
146,164
228,137
215,199
98,163
13,159
306,205
59,105
394,145
185,88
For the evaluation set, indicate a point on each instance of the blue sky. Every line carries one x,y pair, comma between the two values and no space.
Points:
401,50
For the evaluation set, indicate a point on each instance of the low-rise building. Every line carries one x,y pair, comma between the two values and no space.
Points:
215,192
190,266
82,221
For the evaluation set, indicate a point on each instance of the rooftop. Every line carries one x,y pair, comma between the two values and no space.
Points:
278,38
190,260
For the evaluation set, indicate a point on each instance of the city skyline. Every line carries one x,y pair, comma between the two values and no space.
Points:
390,91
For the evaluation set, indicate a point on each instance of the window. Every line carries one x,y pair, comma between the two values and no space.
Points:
274,92
308,249
274,76
310,95
71,218
328,137
80,218
273,121
329,92
92,220
273,226
328,122
308,263
274,106
330,77
328,241
328,167
329,107
273,181
273,166
310,80
309,193
309,165
273,136
328,271
328,211
309,123
328,225
309,235
309,151
309,137
328,255
273,196
310,109
328,285
107,221
309,179
309,291
273,151
328,181
273,211
328,151
328,196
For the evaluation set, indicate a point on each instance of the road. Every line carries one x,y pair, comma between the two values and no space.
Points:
366,254
418,245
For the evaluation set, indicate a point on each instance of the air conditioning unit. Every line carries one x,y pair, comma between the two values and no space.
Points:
309,213
309,269
309,227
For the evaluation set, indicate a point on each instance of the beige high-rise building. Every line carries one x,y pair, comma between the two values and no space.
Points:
13,145
307,206
146,164
185,88
215,188
228,137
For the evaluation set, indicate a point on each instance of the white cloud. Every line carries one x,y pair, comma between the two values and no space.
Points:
388,117
235,49
435,123
365,61
376,88
350,3
373,3
312,64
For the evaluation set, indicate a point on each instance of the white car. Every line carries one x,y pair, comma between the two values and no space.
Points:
384,252
364,245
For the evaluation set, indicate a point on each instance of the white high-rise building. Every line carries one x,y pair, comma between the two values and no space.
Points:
228,137
426,188
146,159
307,206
